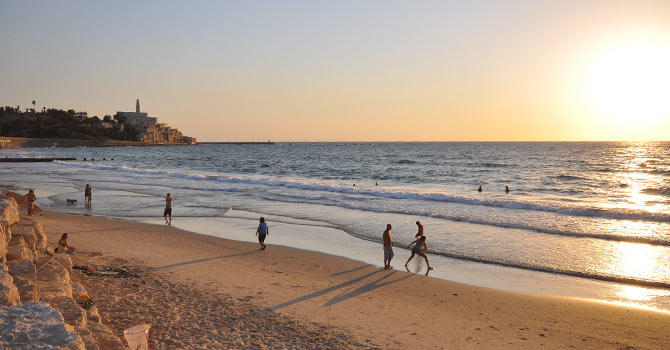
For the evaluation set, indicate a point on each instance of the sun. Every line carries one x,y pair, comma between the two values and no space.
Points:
629,82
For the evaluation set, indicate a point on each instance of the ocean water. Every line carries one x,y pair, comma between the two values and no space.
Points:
592,211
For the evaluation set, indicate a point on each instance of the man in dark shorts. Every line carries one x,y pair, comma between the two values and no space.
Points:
168,209
388,247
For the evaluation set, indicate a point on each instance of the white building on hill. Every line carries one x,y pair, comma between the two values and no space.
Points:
137,120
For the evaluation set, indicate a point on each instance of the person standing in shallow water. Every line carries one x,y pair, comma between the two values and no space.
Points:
88,194
262,231
419,230
168,209
388,247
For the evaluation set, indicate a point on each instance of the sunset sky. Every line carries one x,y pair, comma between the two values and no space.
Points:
350,70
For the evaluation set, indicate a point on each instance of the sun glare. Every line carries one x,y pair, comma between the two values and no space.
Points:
630,82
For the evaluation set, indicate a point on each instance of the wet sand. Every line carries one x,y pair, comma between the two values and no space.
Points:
200,290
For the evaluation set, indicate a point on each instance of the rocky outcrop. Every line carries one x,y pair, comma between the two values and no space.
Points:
9,294
88,338
5,236
50,317
9,209
41,242
27,289
23,268
28,234
65,261
50,290
50,270
105,337
36,326
73,314
18,249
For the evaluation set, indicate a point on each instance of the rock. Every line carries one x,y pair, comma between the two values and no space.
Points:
42,241
73,314
65,261
5,236
78,289
5,231
9,294
51,290
28,234
92,314
36,326
9,209
18,249
27,289
88,338
52,271
24,268
105,337
18,252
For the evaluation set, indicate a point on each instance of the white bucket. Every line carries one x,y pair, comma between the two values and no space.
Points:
137,337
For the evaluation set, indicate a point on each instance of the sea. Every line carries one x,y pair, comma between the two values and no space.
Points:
584,219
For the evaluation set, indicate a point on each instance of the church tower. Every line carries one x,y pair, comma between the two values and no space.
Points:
137,106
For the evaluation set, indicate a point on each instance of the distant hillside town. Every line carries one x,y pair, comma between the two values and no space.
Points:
150,131
59,124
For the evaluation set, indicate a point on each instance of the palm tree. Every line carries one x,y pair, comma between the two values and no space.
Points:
34,107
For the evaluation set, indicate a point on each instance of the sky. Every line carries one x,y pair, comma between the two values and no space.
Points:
564,70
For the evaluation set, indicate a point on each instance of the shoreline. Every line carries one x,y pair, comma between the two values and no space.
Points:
11,142
359,297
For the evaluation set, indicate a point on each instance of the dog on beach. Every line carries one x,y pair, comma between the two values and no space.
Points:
71,201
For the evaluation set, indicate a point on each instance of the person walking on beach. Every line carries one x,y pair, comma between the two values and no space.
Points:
87,195
30,199
388,247
419,248
420,230
168,209
262,231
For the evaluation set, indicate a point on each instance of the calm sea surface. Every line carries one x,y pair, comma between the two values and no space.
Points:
598,211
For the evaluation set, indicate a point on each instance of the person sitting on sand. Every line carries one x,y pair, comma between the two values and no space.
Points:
420,247
63,246
30,199
388,247
168,209
262,231
420,230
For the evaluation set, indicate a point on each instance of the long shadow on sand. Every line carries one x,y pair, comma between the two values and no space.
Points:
350,271
363,289
112,229
203,260
366,288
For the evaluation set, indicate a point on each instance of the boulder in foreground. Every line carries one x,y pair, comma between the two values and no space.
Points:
36,326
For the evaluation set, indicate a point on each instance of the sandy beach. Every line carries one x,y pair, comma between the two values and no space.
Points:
203,291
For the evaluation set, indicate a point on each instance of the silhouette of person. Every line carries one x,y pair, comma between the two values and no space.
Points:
506,189
480,189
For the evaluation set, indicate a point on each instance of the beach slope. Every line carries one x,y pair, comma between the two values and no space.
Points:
329,300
